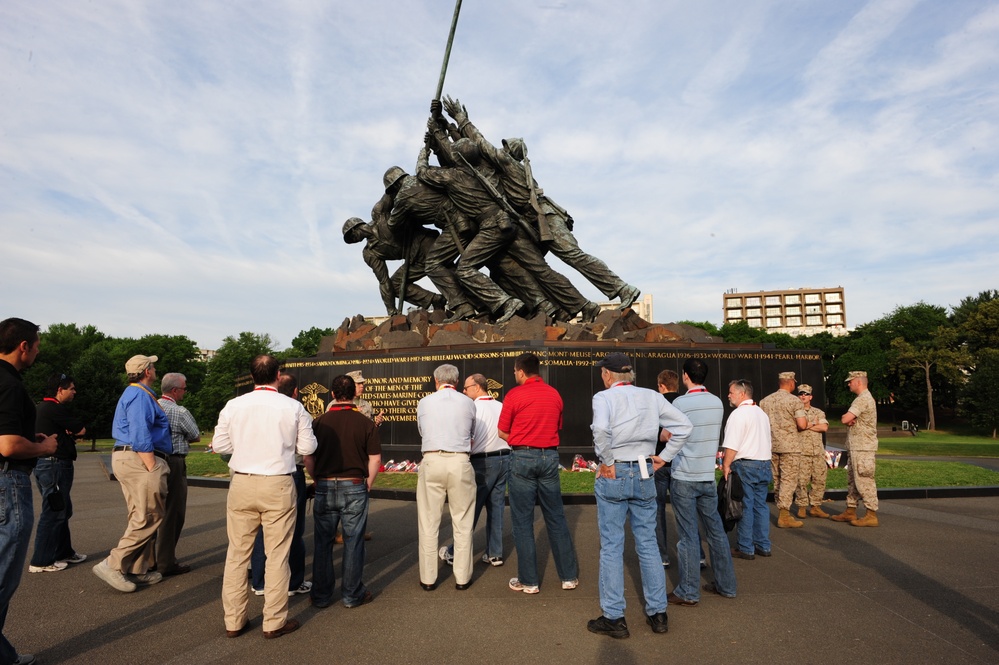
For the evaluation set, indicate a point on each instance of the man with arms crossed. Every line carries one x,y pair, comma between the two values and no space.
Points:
626,422
19,446
446,420
747,450
813,458
183,432
693,491
861,420
263,430
529,422
139,459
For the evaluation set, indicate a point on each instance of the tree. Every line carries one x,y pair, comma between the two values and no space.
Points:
968,305
99,384
306,342
981,395
941,352
981,326
62,344
231,361
706,326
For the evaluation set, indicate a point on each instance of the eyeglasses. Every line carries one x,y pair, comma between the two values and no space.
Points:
465,388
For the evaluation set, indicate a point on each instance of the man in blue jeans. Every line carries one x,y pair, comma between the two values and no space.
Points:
694,496
529,422
54,476
626,420
747,450
345,464
19,446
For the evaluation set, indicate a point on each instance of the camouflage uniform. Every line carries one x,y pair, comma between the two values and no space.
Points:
783,408
364,406
862,442
813,461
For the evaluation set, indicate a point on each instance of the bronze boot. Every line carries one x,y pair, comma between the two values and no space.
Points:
785,521
817,511
848,515
802,512
869,519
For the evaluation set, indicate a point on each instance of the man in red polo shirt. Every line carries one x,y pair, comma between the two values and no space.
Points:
529,422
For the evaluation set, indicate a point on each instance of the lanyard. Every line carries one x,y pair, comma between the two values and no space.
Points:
150,393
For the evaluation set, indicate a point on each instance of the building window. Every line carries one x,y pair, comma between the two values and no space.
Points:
834,309
754,312
835,318
773,300
753,302
813,320
834,296
813,309
793,310
733,302
773,322
794,321
813,297
792,300
773,311
734,316
756,323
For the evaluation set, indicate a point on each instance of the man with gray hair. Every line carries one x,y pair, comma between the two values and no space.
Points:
626,421
183,432
446,421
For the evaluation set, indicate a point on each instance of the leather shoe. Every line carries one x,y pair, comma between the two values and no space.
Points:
365,599
462,587
659,622
237,633
711,588
176,569
739,554
762,552
428,587
674,599
290,626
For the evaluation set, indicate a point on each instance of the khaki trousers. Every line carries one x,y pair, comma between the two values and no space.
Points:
785,470
445,475
860,480
258,502
145,497
813,470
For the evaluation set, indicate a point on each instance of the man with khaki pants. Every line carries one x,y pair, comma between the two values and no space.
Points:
787,418
861,420
813,458
263,430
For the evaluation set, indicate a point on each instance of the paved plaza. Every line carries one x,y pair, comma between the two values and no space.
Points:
922,588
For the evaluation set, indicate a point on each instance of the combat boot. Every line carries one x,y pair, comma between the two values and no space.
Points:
802,512
870,519
816,511
785,521
848,515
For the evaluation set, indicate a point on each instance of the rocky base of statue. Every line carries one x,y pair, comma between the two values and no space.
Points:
421,328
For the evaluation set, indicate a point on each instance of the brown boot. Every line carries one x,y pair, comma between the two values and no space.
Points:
816,511
785,521
802,513
848,515
870,519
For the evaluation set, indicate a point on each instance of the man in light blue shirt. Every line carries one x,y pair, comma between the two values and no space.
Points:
693,492
446,420
626,420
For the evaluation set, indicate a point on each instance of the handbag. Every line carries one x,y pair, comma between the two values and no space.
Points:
730,494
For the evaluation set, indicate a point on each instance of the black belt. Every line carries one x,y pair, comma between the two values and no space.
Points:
534,447
120,449
10,466
495,453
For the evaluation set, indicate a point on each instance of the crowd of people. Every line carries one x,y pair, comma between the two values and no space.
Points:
475,450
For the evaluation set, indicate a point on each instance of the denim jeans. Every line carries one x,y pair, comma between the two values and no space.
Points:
16,519
339,501
628,496
491,474
52,541
754,527
663,477
534,478
693,500
296,557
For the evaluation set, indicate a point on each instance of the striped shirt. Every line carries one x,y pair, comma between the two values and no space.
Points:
695,462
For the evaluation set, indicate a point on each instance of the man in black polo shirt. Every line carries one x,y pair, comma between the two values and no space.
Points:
19,446
54,476
346,461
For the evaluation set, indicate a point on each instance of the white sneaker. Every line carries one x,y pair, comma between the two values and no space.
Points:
492,560
569,585
306,587
446,556
515,585
113,577
76,558
149,578
24,659
260,592
52,568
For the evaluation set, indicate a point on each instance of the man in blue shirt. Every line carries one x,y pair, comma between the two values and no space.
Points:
692,488
626,420
142,444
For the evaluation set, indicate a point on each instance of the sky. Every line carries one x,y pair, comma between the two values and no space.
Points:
185,167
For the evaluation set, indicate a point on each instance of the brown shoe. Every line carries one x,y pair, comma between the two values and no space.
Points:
802,512
870,519
339,538
290,626
848,515
674,599
816,511
785,521
739,554
237,633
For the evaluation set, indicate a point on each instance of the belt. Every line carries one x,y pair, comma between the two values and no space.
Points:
335,479
10,466
630,461
178,455
534,447
53,458
118,449
445,452
261,475
495,453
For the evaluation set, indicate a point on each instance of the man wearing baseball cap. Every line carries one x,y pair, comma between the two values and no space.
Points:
861,420
813,458
142,444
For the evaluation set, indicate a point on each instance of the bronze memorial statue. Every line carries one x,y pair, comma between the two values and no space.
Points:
491,213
